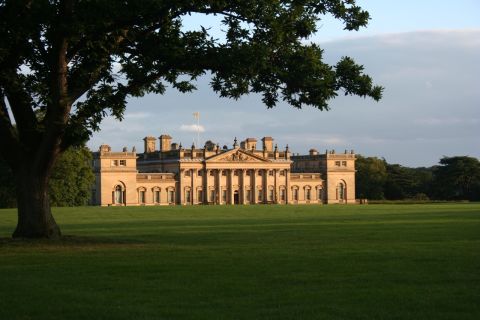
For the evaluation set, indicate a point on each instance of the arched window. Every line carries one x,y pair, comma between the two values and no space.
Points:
341,191
308,193
118,195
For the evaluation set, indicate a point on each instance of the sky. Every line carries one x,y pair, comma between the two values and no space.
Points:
425,53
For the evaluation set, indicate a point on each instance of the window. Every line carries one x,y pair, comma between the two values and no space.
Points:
270,173
212,195
344,163
340,191
200,196
235,172
224,173
187,173
200,173
282,194
282,172
212,173
308,195
123,163
156,196
114,163
337,163
249,173
188,197
141,196
259,173
270,195
224,196
260,195
295,194
249,195
171,196
118,195
319,194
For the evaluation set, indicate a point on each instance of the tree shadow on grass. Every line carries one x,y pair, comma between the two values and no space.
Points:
69,241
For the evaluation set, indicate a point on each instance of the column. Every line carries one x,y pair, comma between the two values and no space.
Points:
180,186
230,187
218,196
275,185
265,185
254,186
287,186
206,174
242,187
193,192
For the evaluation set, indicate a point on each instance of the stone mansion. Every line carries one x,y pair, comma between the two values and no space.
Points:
243,174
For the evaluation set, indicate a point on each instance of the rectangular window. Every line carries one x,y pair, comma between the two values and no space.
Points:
212,173
260,195
319,194
270,173
282,194
123,163
224,196
212,195
200,173
249,173
270,195
235,173
171,196
114,163
337,163
200,196
344,163
142,196
307,194
224,173
249,195
260,173
282,172
188,198
187,173
157,196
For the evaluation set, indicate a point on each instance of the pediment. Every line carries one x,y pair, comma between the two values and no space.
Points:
236,155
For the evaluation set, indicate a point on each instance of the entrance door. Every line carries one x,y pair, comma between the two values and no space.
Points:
236,198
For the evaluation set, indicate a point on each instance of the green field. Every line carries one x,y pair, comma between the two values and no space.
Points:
247,262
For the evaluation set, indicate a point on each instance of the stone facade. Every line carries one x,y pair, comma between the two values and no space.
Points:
243,174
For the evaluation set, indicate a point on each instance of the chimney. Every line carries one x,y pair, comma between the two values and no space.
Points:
250,143
149,144
267,144
165,142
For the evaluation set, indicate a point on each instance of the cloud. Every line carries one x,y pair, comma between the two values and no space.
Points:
429,109
192,128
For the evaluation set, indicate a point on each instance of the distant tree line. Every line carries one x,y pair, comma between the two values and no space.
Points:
454,178
70,184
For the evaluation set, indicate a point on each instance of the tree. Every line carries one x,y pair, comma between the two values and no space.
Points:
457,178
70,183
72,178
370,178
77,61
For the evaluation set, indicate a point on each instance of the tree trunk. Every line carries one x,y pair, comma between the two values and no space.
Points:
35,218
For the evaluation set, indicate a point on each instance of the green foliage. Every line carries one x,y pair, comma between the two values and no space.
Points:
70,183
72,179
266,50
458,178
370,178
247,262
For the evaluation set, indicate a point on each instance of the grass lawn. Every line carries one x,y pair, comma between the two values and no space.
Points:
247,262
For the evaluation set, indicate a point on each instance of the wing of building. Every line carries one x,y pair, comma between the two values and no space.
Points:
243,174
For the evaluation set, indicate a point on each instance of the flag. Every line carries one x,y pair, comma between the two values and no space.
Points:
196,115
